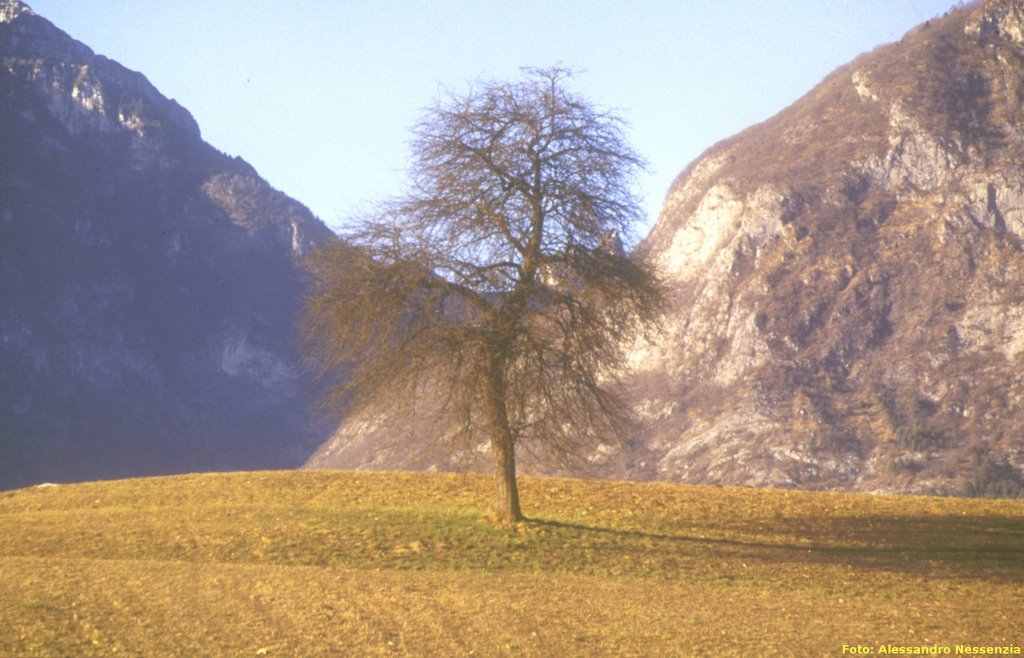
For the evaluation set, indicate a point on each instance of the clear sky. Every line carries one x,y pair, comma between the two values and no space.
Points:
319,95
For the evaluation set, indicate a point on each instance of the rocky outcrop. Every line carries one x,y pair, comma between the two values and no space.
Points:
149,284
849,280
847,288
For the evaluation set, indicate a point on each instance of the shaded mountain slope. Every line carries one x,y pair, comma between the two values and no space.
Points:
148,283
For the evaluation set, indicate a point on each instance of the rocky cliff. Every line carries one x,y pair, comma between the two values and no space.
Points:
848,287
849,280
148,283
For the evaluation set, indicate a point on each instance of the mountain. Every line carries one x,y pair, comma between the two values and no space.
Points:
847,287
149,284
849,280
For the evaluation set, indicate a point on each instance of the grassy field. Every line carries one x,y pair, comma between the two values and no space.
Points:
317,563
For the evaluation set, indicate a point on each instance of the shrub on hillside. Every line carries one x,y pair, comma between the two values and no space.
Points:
994,477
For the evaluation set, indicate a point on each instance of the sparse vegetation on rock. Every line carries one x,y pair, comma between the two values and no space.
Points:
850,273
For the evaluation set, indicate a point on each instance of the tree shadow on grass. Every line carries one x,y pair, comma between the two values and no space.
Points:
978,547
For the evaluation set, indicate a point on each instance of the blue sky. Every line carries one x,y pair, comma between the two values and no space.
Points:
319,95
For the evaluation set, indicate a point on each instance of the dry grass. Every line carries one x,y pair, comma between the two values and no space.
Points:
322,563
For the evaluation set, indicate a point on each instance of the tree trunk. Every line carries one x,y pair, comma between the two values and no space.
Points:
506,503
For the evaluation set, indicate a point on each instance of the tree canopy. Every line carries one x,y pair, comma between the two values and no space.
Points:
499,285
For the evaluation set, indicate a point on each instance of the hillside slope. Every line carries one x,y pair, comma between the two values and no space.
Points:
849,279
327,564
148,283
848,288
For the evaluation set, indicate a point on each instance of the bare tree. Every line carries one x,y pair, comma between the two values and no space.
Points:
498,285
